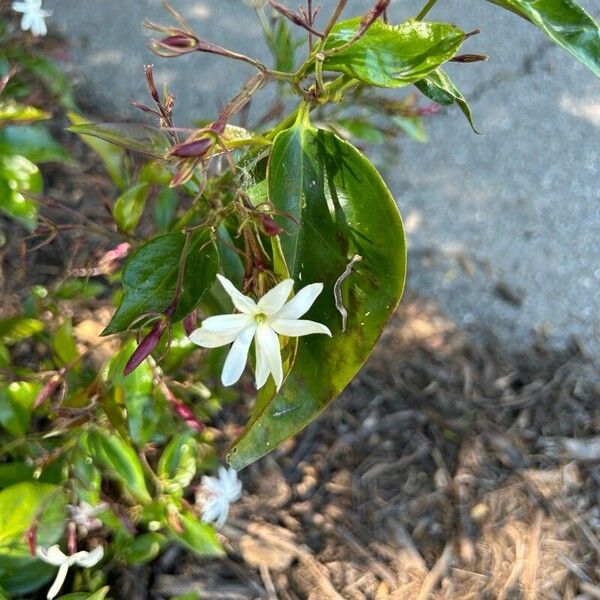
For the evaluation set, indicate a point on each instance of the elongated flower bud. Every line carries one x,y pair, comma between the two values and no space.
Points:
189,323
145,347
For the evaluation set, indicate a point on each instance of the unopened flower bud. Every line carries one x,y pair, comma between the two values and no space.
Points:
189,323
193,149
47,391
269,226
145,347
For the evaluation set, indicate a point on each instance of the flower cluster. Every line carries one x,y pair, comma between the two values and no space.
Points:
215,495
34,16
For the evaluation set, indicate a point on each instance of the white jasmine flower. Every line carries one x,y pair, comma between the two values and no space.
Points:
216,494
54,556
34,16
262,321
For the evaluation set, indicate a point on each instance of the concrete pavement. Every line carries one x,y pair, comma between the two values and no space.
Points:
503,227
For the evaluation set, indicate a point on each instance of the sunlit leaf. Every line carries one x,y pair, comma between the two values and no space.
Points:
392,55
565,23
12,112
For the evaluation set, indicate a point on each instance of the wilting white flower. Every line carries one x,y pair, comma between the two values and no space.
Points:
54,556
262,321
216,494
84,516
34,16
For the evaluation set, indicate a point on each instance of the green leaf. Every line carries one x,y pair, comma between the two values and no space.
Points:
144,139
344,209
178,460
25,576
16,404
150,278
144,548
64,346
412,127
283,47
437,86
120,461
199,537
99,595
137,388
111,155
34,142
17,174
22,504
565,23
165,208
391,56
13,112
17,329
129,207
361,130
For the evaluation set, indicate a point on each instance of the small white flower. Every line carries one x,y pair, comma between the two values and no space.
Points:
84,516
34,16
216,494
262,321
54,556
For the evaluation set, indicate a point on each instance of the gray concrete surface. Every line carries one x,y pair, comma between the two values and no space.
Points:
503,227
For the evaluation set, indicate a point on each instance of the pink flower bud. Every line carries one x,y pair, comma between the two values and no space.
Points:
269,227
193,149
186,414
145,347
189,323
47,391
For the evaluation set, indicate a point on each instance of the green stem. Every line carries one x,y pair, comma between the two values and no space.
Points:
430,4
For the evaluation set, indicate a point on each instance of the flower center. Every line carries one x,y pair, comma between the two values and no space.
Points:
260,318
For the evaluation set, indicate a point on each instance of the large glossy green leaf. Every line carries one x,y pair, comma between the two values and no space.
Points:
138,137
438,87
120,461
341,208
150,278
566,23
392,55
